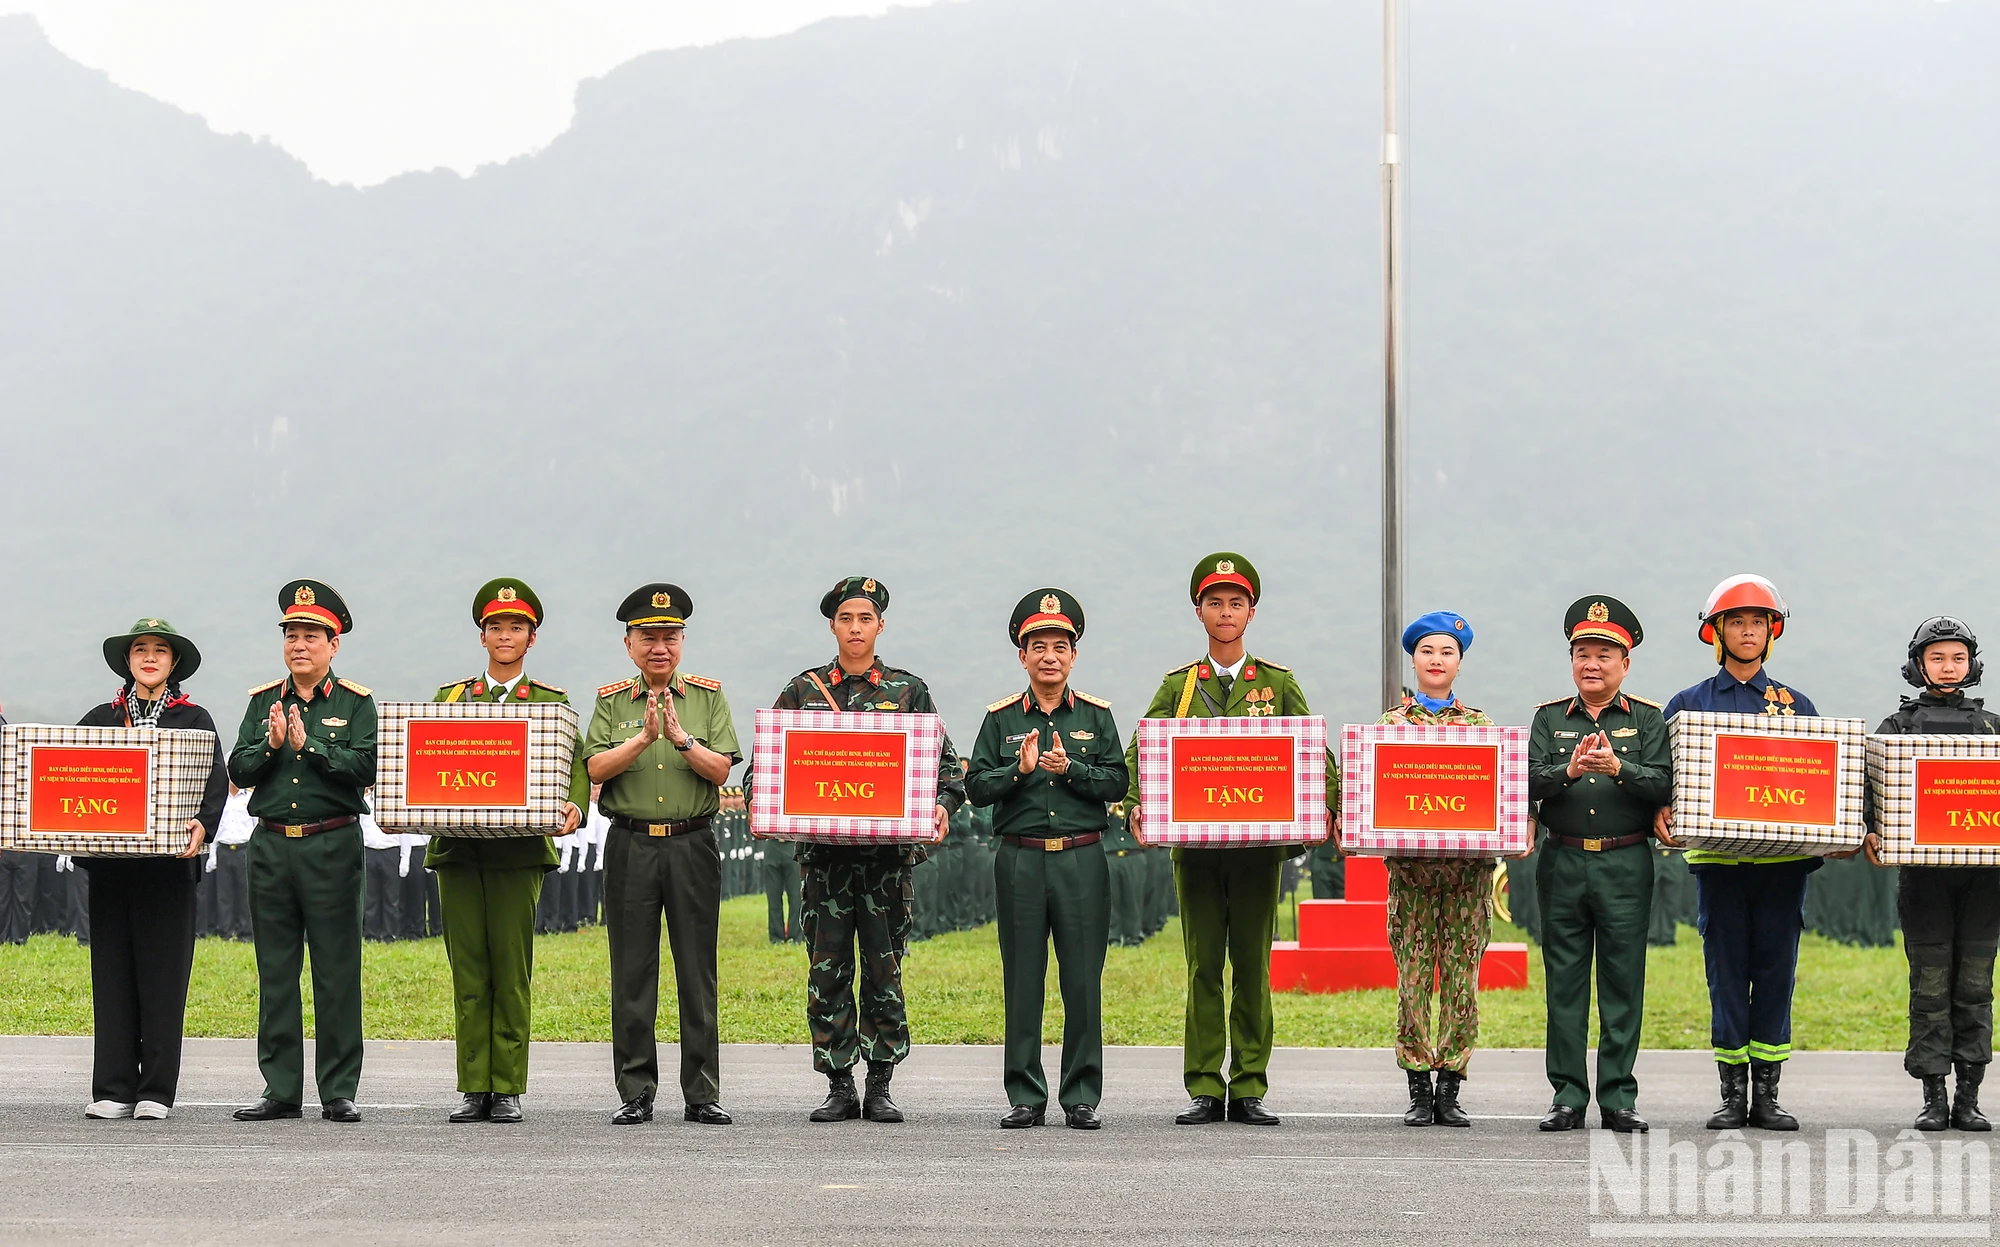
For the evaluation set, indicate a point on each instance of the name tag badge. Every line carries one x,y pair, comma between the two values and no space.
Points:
1565,735
1015,740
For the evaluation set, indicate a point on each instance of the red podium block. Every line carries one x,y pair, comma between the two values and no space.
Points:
1344,945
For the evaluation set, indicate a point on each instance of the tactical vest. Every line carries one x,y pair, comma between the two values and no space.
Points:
1928,716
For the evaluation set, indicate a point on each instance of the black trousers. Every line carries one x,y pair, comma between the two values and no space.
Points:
646,879
382,912
1951,929
141,952
232,891
19,874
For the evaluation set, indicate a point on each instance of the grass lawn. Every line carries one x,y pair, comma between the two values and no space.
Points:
1848,998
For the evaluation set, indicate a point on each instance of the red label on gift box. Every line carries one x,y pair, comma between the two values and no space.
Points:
1437,787
461,762
1958,801
1232,779
1776,779
848,774
99,789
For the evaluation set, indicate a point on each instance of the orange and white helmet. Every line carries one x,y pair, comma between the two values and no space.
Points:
1738,593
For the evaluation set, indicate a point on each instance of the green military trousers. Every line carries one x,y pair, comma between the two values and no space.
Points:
307,893
489,938
1063,896
1128,896
1229,901
782,888
1594,904
679,877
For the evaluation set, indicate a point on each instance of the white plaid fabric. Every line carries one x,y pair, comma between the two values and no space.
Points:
179,762
768,821
1892,774
552,738
1692,735
1513,828
1311,824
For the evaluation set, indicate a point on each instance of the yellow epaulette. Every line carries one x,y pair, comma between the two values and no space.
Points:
1555,701
1645,701
1177,670
702,681
359,690
1003,703
265,688
1099,702
606,690
456,689
550,687
1265,662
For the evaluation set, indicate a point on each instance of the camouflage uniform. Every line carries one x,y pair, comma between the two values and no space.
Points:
1440,917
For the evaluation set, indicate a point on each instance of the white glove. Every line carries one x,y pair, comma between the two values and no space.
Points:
64,862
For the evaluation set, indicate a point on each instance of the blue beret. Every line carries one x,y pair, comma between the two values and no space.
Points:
1447,623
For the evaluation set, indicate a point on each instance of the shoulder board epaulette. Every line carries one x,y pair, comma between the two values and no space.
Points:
1645,701
1183,667
1003,703
606,690
361,690
1099,702
702,681
453,691
550,687
1265,662
265,688
1555,701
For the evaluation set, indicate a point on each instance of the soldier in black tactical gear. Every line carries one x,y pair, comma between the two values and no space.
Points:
1950,914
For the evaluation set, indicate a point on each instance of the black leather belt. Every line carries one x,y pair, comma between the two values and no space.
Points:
1598,845
1054,844
297,831
676,827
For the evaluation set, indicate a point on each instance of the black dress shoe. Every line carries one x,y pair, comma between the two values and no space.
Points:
1562,1117
476,1106
267,1110
1200,1111
1623,1121
635,1110
709,1114
338,1109
1083,1117
506,1109
1249,1110
1020,1117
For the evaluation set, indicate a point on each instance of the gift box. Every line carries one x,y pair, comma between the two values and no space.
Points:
1229,783
1759,785
1937,799
1434,790
102,791
840,777
483,770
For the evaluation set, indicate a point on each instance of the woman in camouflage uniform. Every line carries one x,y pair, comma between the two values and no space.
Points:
1440,908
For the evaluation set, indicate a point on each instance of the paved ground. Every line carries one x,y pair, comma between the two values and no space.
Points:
1340,1168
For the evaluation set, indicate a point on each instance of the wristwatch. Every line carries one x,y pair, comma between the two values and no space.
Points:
689,745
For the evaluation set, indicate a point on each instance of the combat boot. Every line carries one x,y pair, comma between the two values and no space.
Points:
1965,1114
878,1106
842,1104
1423,1108
1937,1104
1765,1111
1735,1097
1445,1104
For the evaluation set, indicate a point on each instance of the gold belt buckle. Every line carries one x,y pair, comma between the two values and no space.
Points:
295,831
656,830
1053,844
1593,846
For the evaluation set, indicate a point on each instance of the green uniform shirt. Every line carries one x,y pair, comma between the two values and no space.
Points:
1600,806
659,786
513,852
1041,805
1260,689
326,778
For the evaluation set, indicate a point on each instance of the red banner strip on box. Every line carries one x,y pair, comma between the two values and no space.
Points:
466,762
1958,801
848,774
1777,779
1437,787
1239,779
100,789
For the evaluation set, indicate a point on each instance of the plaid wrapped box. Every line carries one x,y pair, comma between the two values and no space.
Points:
1759,785
448,788
1489,804
166,769
1299,740
833,777
1937,799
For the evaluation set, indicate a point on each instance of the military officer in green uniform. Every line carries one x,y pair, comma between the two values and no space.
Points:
1228,897
780,866
1047,761
1599,766
661,744
1127,863
307,745
489,888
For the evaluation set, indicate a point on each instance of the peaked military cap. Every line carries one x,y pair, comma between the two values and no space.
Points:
118,649
656,605
855,587
1603,618
506,595
1224,568
1045,609
310,601
1438,623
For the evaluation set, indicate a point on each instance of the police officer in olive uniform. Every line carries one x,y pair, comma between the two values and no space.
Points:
661,744
1048,763
489,889
1600,766
307,745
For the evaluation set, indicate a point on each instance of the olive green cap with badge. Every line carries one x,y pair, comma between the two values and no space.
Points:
1042,610
506,595
657,605
118,649
1601,618
1224,568
310,601
848,587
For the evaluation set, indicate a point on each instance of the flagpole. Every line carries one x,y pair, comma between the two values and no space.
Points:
1392,333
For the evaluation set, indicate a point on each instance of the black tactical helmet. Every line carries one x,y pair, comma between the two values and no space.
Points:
1930,632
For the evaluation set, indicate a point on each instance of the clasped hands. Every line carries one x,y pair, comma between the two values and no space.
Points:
1032,757
661,720
1593,756
282,729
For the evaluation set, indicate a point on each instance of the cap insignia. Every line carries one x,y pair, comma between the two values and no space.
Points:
152,623
304,596
1459,624
1051,604
662,599
1598,612
1225,567
868,586
506,594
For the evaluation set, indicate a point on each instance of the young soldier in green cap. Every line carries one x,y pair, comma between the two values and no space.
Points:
661,744
489,888
1228,897
307,745
1599,766
1048,762
860,894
